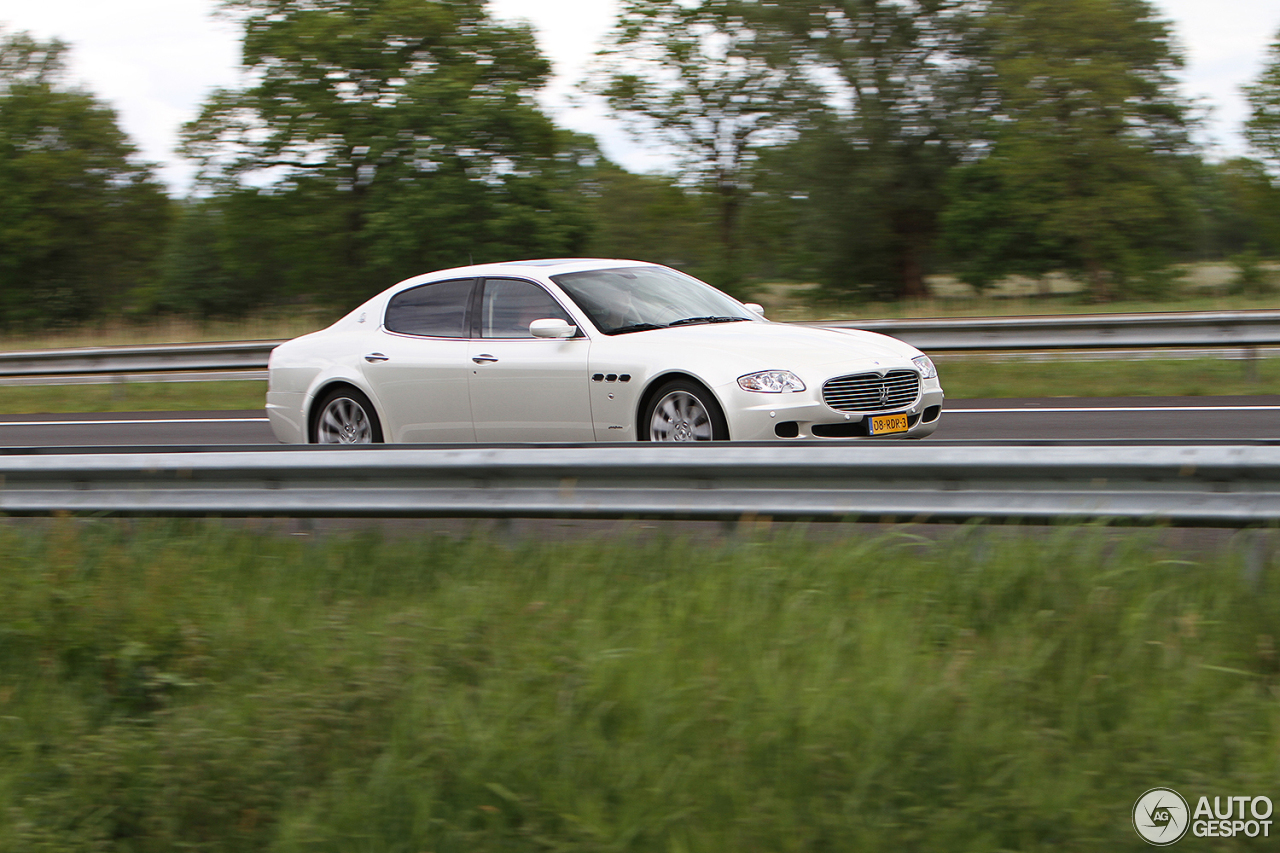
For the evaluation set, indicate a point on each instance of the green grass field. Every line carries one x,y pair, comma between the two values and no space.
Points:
962,378
133,397
180,685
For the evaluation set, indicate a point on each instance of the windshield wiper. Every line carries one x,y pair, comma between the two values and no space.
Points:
689,321
637,327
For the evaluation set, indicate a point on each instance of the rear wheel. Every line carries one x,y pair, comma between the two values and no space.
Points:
346,416
683,411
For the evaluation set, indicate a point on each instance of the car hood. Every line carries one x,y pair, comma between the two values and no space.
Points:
720,352
782,344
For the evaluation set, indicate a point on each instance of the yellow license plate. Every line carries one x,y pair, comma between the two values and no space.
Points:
882,424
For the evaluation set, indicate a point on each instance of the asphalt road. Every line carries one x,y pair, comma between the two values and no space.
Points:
1133,418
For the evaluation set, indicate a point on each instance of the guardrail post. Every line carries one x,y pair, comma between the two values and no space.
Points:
1251,364
1257,553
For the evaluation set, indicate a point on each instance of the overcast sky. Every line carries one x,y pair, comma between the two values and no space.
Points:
155,60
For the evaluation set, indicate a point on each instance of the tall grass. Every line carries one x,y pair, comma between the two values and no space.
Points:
1193,287
268,326
178,685
1206,286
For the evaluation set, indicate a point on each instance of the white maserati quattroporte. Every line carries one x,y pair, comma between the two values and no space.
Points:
589,350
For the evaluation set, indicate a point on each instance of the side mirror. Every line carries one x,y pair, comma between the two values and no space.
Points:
754,307
552,328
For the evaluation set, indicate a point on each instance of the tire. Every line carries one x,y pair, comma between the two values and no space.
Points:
345,416
681,410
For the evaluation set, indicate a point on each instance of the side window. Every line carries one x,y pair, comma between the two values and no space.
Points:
436,310
508,307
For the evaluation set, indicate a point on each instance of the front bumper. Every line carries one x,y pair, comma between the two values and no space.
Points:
803,416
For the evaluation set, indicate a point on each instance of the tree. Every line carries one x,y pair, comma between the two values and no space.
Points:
228,254
83,221
1079,169
705,78
1263,127
1236,210
897,81
409,127
1255,189
650,217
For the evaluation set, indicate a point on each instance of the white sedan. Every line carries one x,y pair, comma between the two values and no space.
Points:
588,350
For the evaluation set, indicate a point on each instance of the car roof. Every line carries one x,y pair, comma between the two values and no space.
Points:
537,268
543,266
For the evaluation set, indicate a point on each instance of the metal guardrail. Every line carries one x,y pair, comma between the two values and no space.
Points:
1243,329
1091,331
244,355
1215,485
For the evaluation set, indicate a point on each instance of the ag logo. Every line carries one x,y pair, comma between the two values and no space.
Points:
1161,816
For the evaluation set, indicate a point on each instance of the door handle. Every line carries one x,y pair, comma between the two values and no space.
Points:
375,357
484,358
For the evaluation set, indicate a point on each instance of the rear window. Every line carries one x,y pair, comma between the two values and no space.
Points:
437,310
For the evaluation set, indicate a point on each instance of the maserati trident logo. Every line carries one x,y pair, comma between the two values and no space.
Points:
884,395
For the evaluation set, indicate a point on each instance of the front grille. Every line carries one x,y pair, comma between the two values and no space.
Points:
871,392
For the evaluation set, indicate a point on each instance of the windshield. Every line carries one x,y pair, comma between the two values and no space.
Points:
636,299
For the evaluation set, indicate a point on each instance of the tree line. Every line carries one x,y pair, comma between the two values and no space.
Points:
860,144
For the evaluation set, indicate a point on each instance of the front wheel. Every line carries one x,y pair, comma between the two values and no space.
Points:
345,416
683,411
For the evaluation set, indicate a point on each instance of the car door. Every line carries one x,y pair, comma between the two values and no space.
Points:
525,388
418,364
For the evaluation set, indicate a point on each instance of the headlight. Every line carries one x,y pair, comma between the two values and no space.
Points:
771,382
925,366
